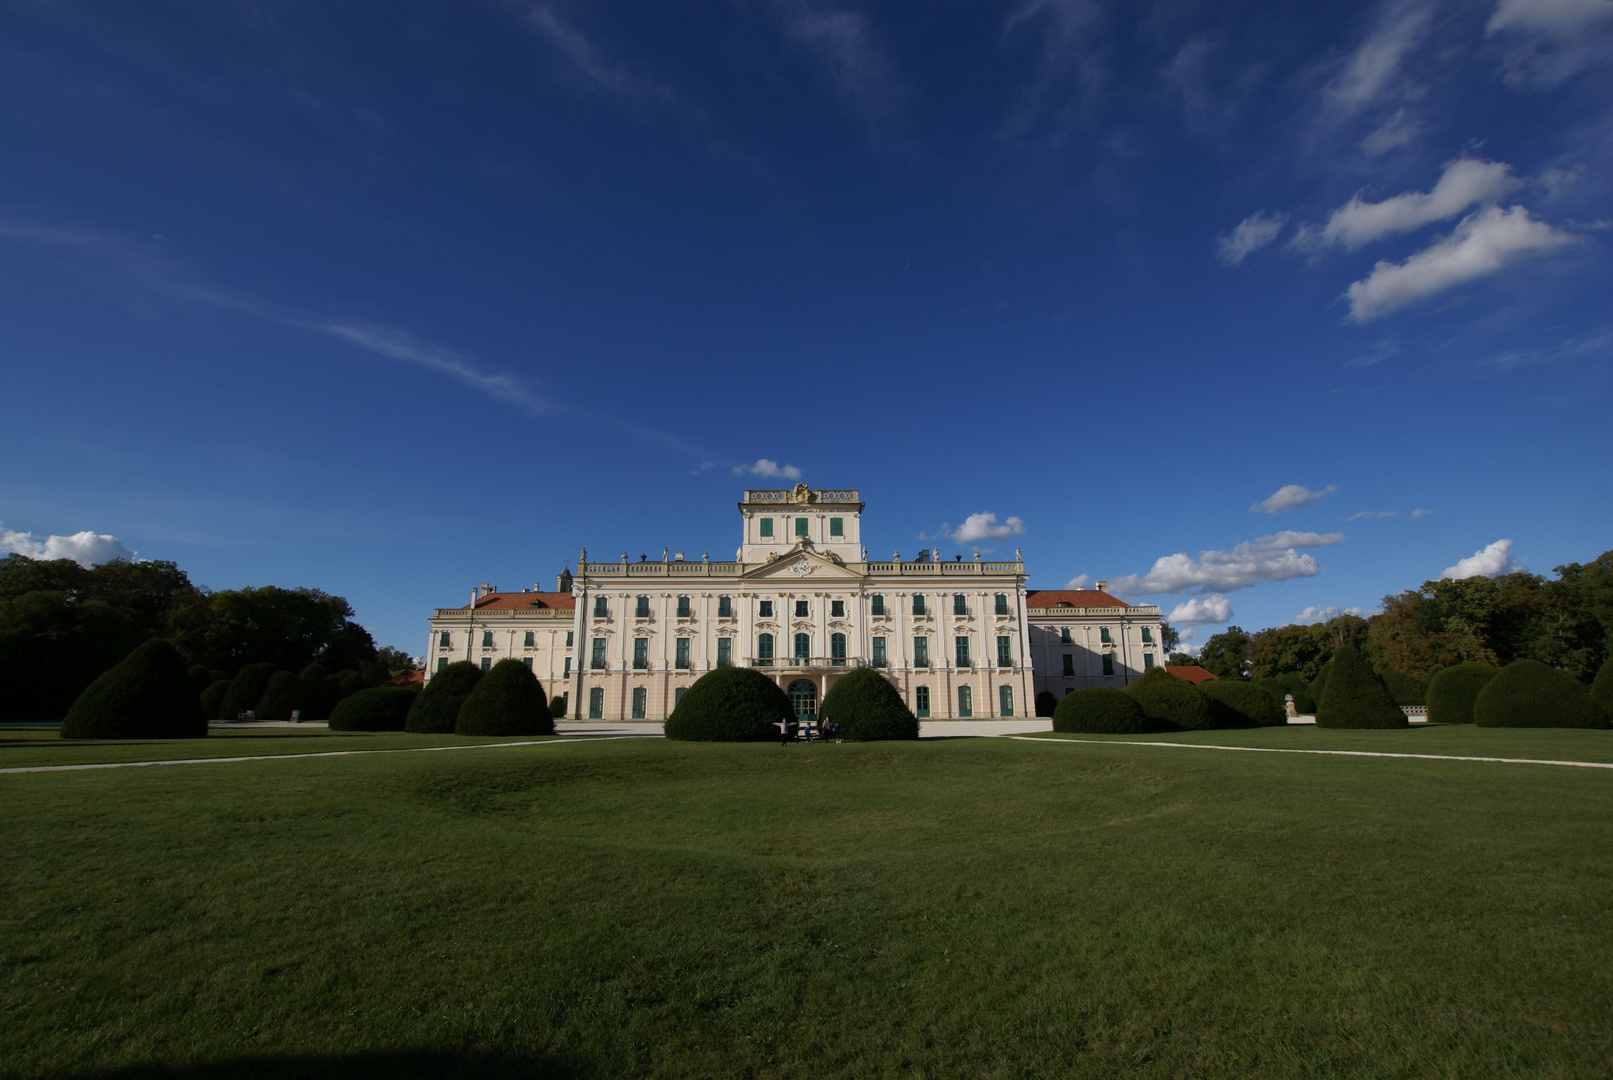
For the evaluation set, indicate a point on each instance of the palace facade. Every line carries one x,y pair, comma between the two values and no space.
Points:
802,603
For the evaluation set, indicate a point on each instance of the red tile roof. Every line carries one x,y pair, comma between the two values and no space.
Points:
527,600
1079,598
1190,673
409,678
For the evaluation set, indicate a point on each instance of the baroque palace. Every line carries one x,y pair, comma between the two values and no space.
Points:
803,603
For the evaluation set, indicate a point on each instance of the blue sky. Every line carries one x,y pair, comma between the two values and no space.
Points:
1249,309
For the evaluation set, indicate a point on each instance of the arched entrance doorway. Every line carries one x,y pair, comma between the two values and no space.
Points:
804,700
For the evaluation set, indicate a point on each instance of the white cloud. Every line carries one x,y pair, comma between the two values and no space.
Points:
1492,561
1370,72
1465,182
1315,614
1214,608
1559,18
1221,571
1481,244
1421,513
1289,539
1369,515
1079,581
85,548
1250,235
1289,496
769,468
978,527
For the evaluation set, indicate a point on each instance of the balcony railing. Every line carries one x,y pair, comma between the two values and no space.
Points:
804,662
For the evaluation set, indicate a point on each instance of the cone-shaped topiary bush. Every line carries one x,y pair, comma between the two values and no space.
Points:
318,693
867,707
1240,704
213,697
730,705
1405,689
1171,704
1453,691
380,708
1304,700
1354,697
1527,693
436,709
557,706
245,690
1100,710
508,701
1602,687
282,694
146,695
1046,704
200,677
1318,686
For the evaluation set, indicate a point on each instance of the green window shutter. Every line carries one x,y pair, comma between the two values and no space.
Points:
921,701
961,647
1064,636
683,607
487,639
767,527
837,609
725,652
641,653
1069,666
1002,603
677,696
876,605
682,659
442,662
800,526
879,651
764,609
803,646
1005,701
1148,635
1005,651
966,701
1103,635
641,608
567,672
596,703
1148,660
837,527
639,698
921,652
960,604
837,648
487,662
530,639
1108,663
918,605
444,639
570,634
725,607
801,610
597,660
600,610
527,660
764,647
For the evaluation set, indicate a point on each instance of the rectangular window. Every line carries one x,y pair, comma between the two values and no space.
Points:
597,660
641,608
876,605
921,652
725,607
837,609
527,660
960,647
567,673
960,606
682,659
1148,660
1002,603
764,609
444,640
487,639
767,527
837,527
966,699
764,649
677,696
800,526
1103,635
1005,651
1069,666
640,697
1108,663
442,662
921,702
641,653
918,605
1005,701
487,662
600,610
1064,636
879,652
801,609
596,703
803,646
837,650
725,652
683,607
1148,635
531,639
570,634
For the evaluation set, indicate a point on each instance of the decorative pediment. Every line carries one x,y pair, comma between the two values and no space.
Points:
803,566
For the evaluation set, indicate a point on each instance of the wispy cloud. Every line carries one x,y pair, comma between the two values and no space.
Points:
770,469
1559,18
85,548
1490,561
846,45
1250,235
1373,70
1373,515
1289,496
1465,182
397,344
1599,344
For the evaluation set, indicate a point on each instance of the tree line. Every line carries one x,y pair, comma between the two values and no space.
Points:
62,625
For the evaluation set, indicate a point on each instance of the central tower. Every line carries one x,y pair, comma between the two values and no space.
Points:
778,521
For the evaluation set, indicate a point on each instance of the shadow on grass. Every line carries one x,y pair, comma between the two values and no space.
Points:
404,1064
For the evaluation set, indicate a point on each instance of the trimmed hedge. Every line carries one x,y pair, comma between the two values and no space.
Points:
380,708
280,696
200,677
507,701
1453,691
245,690
1099,710
146,695
1405,689
349,682
318,692
1242,704
1354,697
1171,704
213,697
1602,688
1319,687
867,708
1304,700
436,709
558,705
730,705
1046,704
1527,693
1279,692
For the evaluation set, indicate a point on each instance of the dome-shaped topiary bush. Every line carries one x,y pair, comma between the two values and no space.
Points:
1354,697
1240,704
1046,704
1527,693
1602,687
867,708
436,709
380,708
730,705
508,701
245,690
1304,700
1453,691
200,677
557,706
282,694
146,695
318,692
1405,689
213,697
349,682
1171,704
1099,710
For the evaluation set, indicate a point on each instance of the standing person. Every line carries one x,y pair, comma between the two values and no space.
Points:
783,731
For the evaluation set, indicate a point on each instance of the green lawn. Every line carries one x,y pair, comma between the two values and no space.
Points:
979,907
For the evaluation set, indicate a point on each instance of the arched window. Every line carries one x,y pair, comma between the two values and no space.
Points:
764,648
837,649
803,646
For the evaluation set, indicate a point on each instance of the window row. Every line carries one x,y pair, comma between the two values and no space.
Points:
837,526
445,639
1108,664
1103,636
1005,701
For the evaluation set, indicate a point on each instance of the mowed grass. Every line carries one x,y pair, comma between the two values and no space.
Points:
980,907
